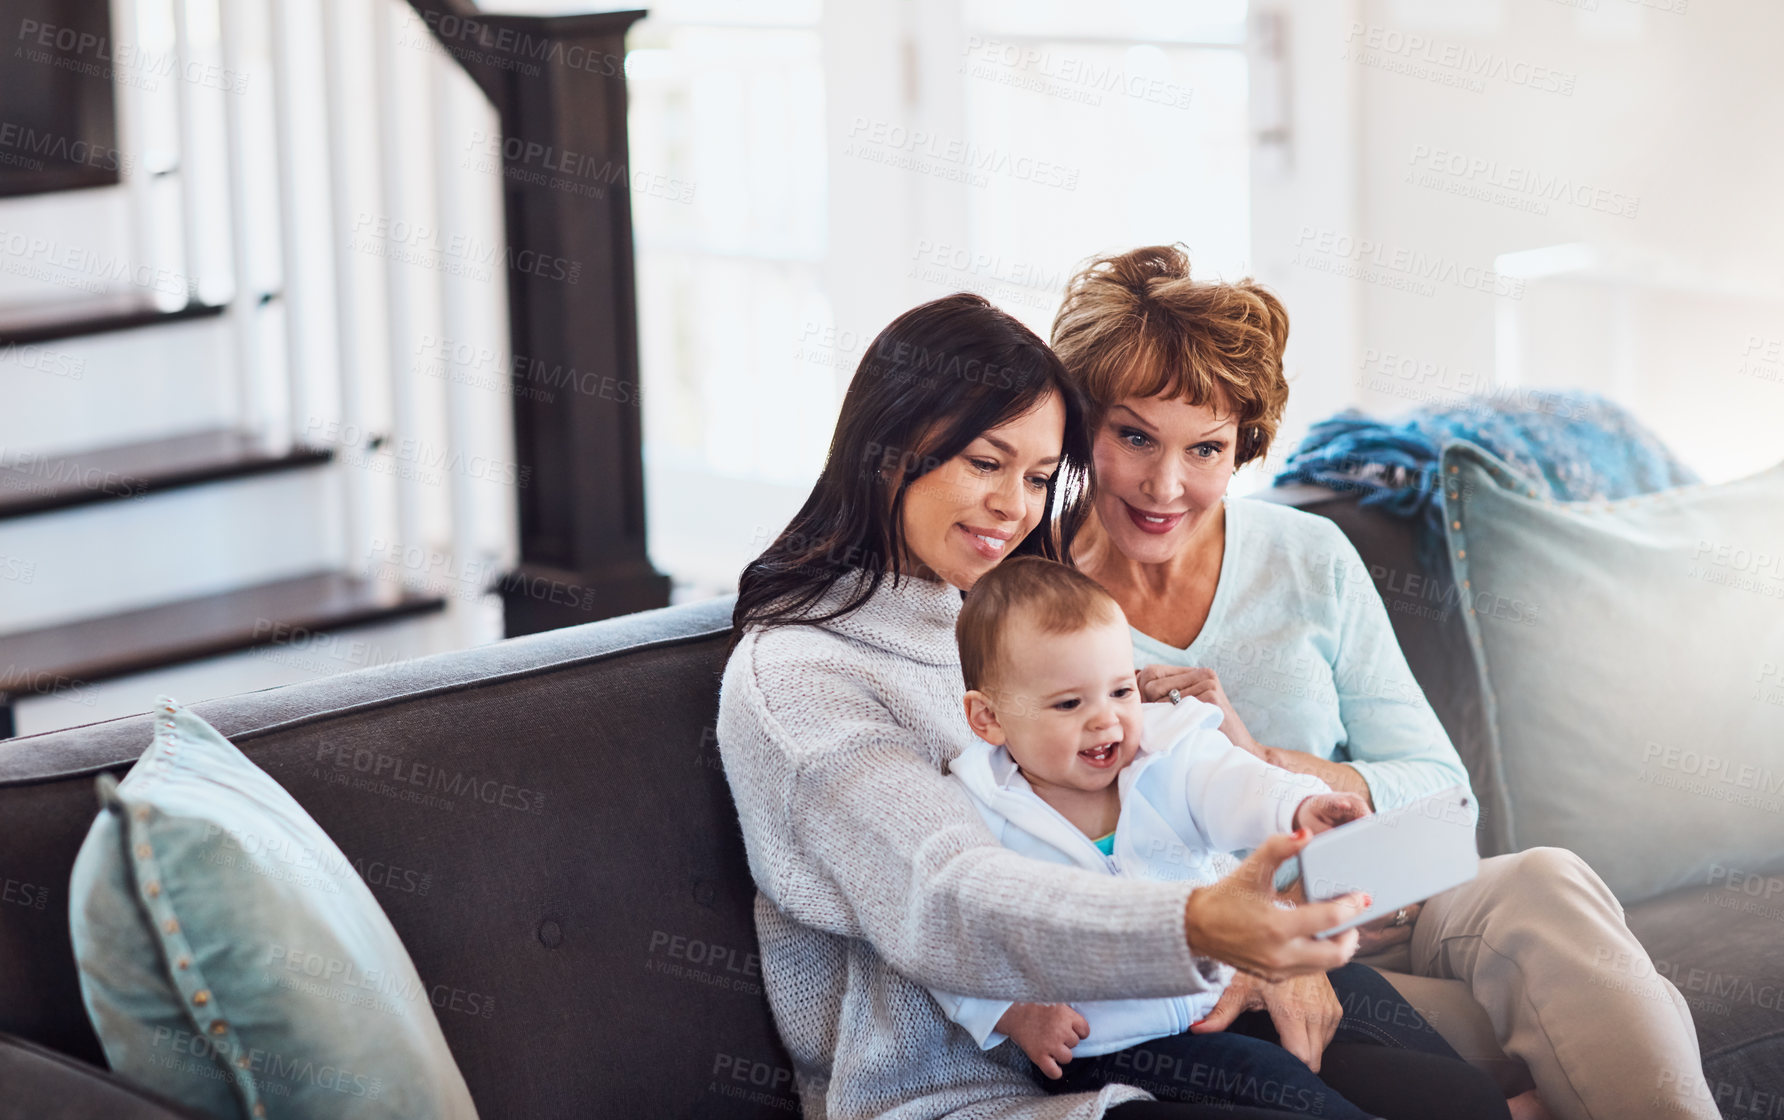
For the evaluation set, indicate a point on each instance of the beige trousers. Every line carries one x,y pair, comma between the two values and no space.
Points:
1531,974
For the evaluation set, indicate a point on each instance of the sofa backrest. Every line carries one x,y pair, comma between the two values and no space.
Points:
546,822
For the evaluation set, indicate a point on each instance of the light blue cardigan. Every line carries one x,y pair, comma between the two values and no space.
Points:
1302,644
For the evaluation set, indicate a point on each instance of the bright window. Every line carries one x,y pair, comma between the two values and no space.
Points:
1049,133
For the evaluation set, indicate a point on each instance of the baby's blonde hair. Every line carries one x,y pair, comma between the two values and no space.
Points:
1057,598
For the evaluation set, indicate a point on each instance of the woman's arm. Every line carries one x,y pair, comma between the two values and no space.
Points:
947,906
852,829
944,904
1393,740
921,877
1341,776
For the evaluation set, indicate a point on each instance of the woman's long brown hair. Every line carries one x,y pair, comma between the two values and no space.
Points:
939,376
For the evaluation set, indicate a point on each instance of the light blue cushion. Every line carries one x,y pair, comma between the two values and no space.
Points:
1632,665
232,959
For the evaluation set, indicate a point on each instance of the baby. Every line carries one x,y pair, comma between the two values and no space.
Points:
1074,769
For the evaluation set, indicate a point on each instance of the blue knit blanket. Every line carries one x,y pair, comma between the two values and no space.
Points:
1577,445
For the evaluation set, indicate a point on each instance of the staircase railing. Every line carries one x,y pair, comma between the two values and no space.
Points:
558,87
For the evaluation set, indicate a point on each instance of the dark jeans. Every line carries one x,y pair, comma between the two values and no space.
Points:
1384,1060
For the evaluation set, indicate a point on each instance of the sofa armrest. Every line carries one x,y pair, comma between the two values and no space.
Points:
44,1085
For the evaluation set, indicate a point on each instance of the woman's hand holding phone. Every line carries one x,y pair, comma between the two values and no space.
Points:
1374,936
1237,920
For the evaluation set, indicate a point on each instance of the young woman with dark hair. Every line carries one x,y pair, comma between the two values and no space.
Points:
929,387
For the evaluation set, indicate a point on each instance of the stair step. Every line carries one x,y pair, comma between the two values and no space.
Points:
119,387
114,311
35,484
174,633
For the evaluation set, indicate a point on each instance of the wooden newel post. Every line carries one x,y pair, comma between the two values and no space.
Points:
558,85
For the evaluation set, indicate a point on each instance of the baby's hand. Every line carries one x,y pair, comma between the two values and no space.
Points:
1329,810
1046,1032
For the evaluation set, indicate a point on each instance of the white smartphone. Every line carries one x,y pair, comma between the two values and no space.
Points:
1399,857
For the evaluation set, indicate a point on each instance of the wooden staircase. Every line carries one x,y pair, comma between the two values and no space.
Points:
40,483
199,478
147,525
69,656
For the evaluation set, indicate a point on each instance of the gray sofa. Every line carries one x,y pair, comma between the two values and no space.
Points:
592,954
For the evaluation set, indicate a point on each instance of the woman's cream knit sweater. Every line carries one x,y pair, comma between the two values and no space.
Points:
877,878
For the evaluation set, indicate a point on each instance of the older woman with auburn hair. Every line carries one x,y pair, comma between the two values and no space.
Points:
1268,612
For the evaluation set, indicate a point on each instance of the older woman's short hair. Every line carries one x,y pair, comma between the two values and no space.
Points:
1136,325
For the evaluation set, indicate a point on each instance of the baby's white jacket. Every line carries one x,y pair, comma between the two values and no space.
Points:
1188,800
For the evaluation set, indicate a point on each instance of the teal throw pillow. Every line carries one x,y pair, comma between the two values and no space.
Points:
1631,658
231,958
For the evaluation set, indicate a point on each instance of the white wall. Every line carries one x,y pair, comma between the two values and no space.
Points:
1664,119
1304,176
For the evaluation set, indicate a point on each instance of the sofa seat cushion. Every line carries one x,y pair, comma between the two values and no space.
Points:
44,1085
1721,943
